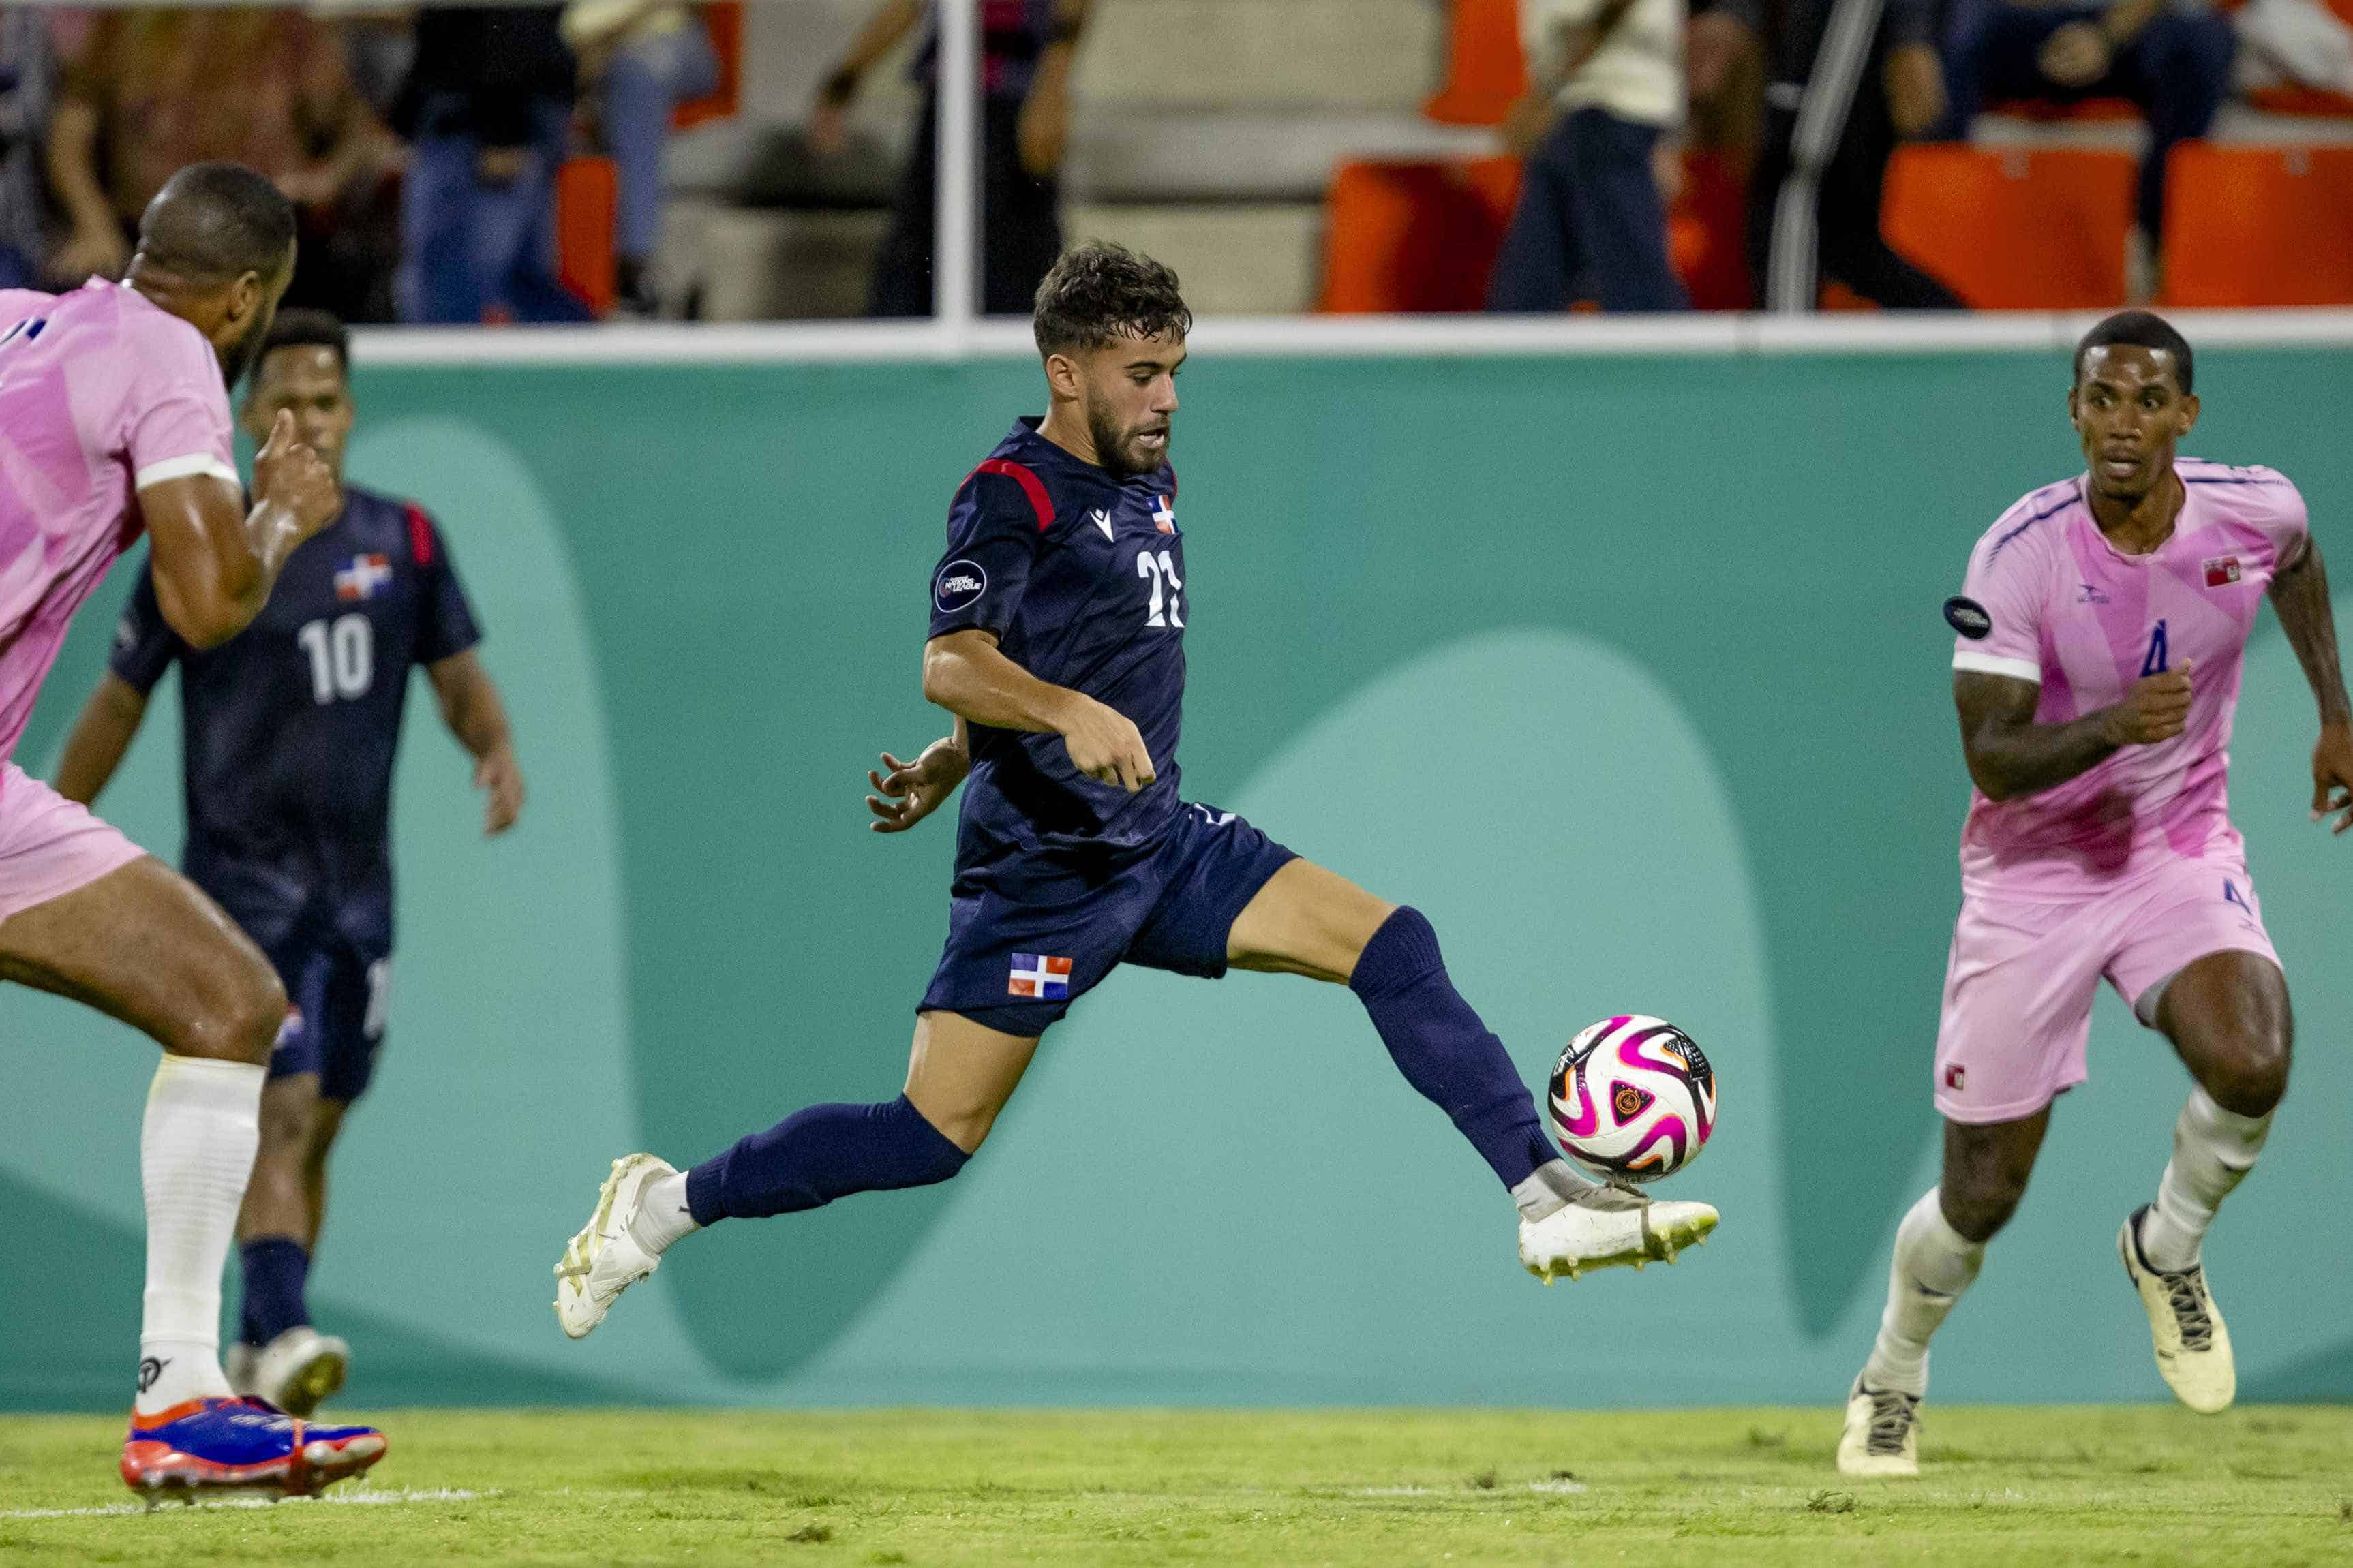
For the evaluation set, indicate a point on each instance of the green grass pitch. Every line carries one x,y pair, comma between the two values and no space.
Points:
2047,1486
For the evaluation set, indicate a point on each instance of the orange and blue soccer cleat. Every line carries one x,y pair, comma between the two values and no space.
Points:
208,1445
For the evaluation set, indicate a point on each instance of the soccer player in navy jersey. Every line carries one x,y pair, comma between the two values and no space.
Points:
1059,612
289,731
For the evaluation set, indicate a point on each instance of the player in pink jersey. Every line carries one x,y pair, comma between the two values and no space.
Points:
113,419
2102,629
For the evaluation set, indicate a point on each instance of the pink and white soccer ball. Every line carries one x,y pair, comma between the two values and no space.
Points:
1633,1097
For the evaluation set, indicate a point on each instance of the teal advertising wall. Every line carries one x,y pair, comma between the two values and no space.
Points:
1628,670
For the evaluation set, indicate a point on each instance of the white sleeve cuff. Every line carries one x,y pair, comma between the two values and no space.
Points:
1994,664
181,468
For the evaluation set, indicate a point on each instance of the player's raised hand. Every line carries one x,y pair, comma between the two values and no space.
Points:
1105,745
2332,775
910,792
2155,709
289,476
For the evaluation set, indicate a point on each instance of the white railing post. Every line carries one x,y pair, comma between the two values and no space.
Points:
955,243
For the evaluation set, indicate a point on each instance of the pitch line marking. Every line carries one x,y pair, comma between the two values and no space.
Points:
359,1498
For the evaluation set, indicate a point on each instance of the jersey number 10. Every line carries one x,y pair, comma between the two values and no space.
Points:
342,657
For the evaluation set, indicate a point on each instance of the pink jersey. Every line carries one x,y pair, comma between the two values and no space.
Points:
101,394
2074,615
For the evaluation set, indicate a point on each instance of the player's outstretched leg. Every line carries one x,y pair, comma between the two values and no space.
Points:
143,945
2227,1014
959,1077
1938,1248
1308,920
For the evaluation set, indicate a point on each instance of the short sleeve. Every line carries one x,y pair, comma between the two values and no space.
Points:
1999,617
145,643
175,419
2278,509
994,527
445,620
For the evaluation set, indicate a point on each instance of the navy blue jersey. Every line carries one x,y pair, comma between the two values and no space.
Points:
1082,578
289,728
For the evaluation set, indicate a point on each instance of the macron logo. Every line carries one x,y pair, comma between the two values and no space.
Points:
1103,520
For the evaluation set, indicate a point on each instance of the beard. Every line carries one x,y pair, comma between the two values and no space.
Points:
242,354
1115,448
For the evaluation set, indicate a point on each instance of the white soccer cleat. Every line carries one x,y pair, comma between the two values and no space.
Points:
297,1369
2193,1348
1882,1433
604,1260
1609,1227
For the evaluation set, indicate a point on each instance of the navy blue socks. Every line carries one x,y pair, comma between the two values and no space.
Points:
1443,1049
817,1155
275,1267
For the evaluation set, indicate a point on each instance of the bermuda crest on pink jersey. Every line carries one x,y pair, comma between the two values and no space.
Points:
2084,621
101,393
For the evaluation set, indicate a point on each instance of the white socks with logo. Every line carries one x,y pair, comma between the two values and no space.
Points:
1934,1264
662,1216
195,1152
2213,1149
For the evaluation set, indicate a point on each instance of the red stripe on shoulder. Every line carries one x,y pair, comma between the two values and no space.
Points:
1032,486
420,535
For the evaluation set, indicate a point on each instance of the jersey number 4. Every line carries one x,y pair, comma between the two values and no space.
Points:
342,657
1166,611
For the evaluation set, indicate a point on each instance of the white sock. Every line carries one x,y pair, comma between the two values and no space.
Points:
1934,1264
1550,1190
195,1152
662,1216
2213,1149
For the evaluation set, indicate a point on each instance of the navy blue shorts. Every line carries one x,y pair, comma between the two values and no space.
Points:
1029,936
336,993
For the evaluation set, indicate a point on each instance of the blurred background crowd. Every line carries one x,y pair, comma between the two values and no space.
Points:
775,159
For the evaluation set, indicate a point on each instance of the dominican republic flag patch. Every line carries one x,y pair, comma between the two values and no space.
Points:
363,577
2222,571
1047,979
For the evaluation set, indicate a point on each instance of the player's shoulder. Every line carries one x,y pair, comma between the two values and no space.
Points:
1020,480
392,524
2245,484
146,327
2030,523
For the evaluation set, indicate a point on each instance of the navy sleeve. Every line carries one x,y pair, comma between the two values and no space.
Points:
145,643
998,520
445,621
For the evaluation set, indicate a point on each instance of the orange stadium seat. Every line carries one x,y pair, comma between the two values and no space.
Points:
725,23
2012,229
586,205
2259,226
1486,72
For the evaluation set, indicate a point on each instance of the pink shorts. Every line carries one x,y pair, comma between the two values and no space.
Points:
48,846
2019,983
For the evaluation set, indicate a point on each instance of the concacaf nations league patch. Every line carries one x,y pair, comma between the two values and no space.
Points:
1968,618
959,585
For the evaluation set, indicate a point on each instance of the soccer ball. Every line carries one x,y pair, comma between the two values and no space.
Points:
1634,1098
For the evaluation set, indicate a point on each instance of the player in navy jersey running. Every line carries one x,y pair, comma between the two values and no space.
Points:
289,732
1058,641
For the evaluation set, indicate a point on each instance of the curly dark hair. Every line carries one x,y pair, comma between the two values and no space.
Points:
1101,291
2145,329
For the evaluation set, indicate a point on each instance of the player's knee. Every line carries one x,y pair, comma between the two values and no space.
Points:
237,1017
1979,1205
2251,1078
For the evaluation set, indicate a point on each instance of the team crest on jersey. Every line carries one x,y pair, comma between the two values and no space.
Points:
1039,976
364,577
1164,516
1968,618
2222,571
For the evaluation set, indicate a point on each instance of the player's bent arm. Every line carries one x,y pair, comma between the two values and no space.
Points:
101,736
2300,595
215,559
2010,755
966,673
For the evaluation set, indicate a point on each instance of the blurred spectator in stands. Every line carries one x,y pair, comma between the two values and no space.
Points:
1844,79
2172,61
149,90
639,59
488,112
1026,52
1606,88
25,84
